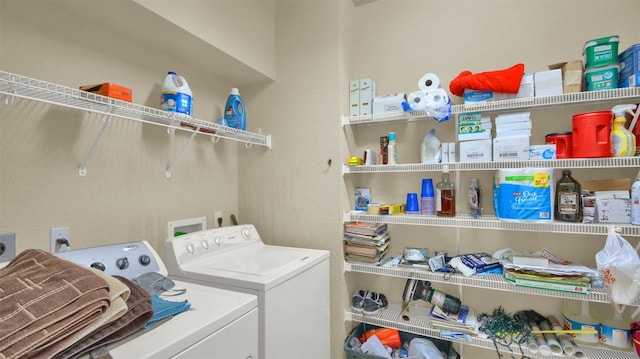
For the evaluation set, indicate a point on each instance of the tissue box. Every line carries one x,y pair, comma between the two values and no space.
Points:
354,98
542,152
367,93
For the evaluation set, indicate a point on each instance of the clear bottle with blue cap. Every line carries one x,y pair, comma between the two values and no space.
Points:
393,156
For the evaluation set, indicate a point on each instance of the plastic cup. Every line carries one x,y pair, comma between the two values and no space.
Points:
427,187
412,203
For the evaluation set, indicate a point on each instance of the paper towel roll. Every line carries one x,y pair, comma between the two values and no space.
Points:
436,98
429,82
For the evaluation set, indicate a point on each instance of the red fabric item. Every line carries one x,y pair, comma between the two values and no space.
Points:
505,81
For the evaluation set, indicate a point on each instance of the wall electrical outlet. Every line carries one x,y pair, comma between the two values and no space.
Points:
60,241
7,246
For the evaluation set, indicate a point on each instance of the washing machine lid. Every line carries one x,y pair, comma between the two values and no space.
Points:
211,310
258,267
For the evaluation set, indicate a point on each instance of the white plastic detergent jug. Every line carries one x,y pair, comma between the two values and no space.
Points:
176,94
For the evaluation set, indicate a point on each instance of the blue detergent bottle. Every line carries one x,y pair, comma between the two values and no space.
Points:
234,112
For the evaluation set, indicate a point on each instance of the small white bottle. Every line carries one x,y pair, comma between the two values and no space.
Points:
635,201
393,156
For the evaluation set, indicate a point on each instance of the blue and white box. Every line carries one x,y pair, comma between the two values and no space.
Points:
363,198
542,152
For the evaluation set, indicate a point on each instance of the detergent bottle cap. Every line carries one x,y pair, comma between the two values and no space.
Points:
234,91
392,136
619,110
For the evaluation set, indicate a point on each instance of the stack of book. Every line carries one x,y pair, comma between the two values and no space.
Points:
365,242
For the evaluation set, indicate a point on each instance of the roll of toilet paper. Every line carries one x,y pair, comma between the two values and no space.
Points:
429,82
418,100
436,98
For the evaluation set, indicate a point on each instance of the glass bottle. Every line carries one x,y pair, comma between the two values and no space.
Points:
445,195
568,206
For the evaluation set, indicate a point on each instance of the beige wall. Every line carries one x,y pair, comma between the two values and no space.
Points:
290,192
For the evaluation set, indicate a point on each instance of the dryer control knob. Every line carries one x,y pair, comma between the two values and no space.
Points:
145,260
217,241
191,248
122,263
205,244
246,234
98,266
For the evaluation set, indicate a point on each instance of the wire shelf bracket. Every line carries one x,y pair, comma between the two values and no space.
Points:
82,171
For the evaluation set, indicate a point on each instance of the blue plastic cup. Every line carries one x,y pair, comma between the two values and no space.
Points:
427,187
412,203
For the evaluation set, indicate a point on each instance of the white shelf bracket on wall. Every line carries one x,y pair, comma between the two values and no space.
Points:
83,167
184,148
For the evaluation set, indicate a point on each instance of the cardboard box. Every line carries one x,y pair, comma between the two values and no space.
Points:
572,75
511,148
548,83
367,93
523,125
513,117
452,152
513,133
354,98
110,90
475,151
629,75
613,210
388,104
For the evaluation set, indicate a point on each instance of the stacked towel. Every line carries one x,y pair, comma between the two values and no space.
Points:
45,301
139,312
118,292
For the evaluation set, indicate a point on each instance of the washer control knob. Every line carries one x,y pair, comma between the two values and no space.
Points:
246,233
218,241
98,266
145,260
122,263
191,248
205,244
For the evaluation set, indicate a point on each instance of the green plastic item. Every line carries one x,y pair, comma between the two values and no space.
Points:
601,52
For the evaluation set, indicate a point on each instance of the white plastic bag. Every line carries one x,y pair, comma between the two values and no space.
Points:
620,263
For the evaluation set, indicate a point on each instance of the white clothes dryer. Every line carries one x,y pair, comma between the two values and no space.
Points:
292,285
220,323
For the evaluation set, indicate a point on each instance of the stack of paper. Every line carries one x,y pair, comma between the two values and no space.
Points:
465,321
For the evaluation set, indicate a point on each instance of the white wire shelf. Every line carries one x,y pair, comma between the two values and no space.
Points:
491,222
608,162
418,323
491,281
586,97
12,85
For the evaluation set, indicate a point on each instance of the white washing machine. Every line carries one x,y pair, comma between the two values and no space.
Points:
292,285
220,323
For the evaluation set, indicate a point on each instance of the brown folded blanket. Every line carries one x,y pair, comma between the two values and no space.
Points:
44,300
139,312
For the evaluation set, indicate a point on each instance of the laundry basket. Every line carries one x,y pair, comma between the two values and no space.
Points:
443,345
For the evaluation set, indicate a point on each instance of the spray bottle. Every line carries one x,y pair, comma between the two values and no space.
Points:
623,142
